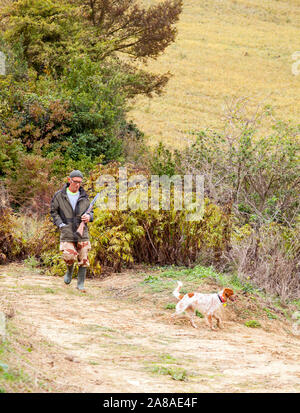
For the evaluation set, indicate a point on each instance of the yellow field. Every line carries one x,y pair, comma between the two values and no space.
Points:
224,49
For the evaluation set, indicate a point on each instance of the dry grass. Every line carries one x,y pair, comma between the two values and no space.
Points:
118,337
224,49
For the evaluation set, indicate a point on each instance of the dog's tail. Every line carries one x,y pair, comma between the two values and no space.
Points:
177,289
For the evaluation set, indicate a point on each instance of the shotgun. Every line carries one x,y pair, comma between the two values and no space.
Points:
82,224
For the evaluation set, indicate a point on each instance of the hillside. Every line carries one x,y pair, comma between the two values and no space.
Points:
120,338
224,49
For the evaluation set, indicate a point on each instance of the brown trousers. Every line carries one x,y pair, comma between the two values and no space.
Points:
71,251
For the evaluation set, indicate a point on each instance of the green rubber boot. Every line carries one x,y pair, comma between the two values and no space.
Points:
81,278
68,274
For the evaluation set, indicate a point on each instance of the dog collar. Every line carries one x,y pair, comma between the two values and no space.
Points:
222,301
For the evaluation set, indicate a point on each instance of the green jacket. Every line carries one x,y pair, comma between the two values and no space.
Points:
62,213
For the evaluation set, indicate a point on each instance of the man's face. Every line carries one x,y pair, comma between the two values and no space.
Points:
74,183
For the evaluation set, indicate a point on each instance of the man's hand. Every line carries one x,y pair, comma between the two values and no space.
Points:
85,218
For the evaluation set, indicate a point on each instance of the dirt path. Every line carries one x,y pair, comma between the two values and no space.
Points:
114,339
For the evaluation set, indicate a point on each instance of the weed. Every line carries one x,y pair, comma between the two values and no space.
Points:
10,375
170,306
3,367
198,314
156,284
199,274
235,282
252,324
195,274
167,358
49,291
35,289
31,262
270,315
150,279
247,288
296,303
177,373
107,335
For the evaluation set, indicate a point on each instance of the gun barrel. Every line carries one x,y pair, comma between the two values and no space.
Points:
82,224
80,228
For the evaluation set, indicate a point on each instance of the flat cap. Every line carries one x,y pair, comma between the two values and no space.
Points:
76,173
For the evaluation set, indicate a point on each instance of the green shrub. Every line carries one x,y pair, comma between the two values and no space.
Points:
31,262
259,175
162,161
12,245
30,184
269,258
121,237
10,152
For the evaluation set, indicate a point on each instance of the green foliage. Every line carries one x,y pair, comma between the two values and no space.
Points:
11,375
77,120
151,279
198,314
67,121
30,183
31,262
252,324
60,99
12,246
157,284
53,32
270,314
259,175
121,237
94,96
162,162
46,31
199,273
49,291
10,151
170,306
151,236
37,239
16,67
194,274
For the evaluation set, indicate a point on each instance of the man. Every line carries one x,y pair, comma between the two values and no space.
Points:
68,208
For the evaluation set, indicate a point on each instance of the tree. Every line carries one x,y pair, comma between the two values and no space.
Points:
134,30
54,32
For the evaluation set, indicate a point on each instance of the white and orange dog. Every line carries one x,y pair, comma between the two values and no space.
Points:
208,304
